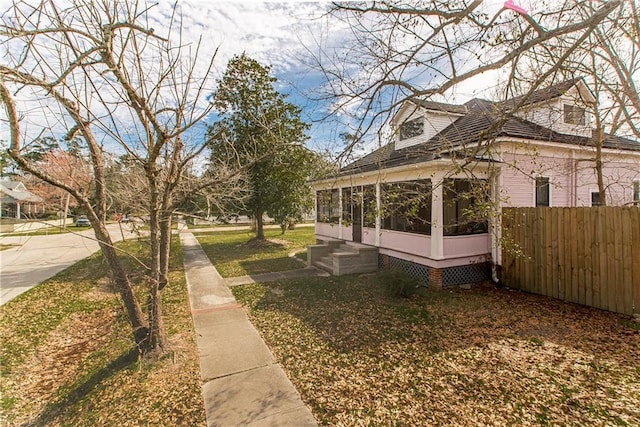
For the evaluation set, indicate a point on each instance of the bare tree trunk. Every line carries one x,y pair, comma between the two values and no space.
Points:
157,337
601,187
165,249
259,224
124,287
154,302
65,211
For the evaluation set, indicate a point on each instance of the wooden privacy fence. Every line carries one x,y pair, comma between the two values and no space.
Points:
589,256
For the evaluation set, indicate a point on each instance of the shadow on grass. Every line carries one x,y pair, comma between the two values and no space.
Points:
352,313
229,252
270,265
348,313
264,244
82,389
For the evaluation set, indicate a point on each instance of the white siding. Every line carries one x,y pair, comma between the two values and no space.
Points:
551,114
543,114
434,122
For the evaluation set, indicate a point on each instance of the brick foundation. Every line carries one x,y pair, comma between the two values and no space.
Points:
435,278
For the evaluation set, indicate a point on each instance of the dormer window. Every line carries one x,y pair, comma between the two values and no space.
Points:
574,115
411,128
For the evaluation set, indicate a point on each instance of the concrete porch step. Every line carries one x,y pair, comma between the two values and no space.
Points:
345,247
357,269
323,266
340,257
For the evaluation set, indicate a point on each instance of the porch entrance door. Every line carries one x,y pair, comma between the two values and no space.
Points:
357,215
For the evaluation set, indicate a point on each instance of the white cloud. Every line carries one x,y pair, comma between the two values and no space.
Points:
281,34
272,33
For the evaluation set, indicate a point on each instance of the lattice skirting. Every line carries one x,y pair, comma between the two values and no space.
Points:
451,276
470,273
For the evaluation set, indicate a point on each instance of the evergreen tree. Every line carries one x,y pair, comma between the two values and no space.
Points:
263,133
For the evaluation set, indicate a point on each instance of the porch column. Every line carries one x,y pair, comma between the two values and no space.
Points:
17,210
378,219
341,210
437,219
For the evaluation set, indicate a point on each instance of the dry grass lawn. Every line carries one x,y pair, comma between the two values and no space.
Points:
236,253
68,357
487,356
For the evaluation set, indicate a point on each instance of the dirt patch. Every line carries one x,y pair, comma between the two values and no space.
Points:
103,291
266,243
56,362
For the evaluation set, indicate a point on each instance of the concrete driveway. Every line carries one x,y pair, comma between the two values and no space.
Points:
37,258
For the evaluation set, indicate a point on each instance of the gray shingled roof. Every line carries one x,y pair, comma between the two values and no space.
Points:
11,193
541,95
483,121
441,106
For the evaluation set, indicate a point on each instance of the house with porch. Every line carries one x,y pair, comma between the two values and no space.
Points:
430,200
18,202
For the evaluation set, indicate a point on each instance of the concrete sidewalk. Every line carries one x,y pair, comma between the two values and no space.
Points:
242,385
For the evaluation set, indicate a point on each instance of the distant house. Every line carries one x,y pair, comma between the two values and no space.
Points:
425,200
17,202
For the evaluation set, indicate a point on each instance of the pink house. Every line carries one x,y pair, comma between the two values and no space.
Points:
427,201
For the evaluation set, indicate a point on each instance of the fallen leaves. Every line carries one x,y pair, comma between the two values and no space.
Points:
481,357
57,361
237,253
68,358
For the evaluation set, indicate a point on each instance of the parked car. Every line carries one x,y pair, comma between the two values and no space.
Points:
130,218
83,221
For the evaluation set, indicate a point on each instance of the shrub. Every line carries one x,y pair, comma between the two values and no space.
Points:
397,282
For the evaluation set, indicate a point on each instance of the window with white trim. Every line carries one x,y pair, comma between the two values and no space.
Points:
543,192
406,206
465,206
346,205
369,206
595,198
574,115
412,128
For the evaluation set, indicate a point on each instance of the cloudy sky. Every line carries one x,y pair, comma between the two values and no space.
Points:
285,35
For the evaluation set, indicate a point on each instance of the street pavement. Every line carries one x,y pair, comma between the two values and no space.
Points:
35,259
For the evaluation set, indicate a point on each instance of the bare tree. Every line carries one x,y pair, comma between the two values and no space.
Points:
404,50
609,61
102,74
65,167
